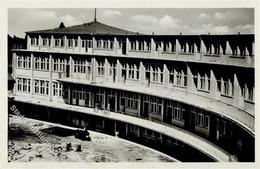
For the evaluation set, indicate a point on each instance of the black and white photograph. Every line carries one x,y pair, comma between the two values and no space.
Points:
96,85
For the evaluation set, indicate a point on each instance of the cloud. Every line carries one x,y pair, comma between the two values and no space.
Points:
111,13
69,20
146,19
221,29
148,23
168,21
204,17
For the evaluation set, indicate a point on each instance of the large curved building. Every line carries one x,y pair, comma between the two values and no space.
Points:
190,96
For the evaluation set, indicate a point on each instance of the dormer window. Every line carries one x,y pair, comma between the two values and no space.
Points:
70,43
58,42
34,41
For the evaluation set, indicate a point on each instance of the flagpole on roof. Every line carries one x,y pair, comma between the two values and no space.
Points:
95,16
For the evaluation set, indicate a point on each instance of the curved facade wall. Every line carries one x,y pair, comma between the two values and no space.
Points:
202,84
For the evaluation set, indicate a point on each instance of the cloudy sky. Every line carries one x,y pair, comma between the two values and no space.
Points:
160,21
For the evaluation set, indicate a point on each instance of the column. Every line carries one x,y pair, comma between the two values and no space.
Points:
191,87
71,67
115,45
106,69
52,42
50,78
79,44
40,42
152,45
94,44
238,51
139,105
118,70
162,119
116,100
195,48
178,46
170,47
186,47
238,98
165,75
203,48
253,48
228,49
14,71
214,86
142,73
32,72
28,41
127,46
65,42
69,94
93,61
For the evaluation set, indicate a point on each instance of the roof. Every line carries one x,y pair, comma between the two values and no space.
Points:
93,27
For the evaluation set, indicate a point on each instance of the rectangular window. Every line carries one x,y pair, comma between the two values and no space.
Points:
157,73
200,120
76,42
42,87
206,121
19,61
133,45
45,42
55,88
79,66
101,67
133,71
132,101
70,42
19,84
24,81
36,86
99,44
178,112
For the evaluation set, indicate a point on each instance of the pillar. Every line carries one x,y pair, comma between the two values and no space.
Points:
178,46
203,47
40,42
237,98
165,75
115,45
195,48
228,49
52,42
118,70
142,73
32,72
50,77
128,47
79,44
14,65
93,61
152,45
94,44
28,41
238,51
65,42
190,82
106,66
214,86
253,48
71,67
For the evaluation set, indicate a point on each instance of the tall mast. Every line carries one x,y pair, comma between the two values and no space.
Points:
95,16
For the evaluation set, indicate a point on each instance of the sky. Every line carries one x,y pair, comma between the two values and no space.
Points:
170,21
